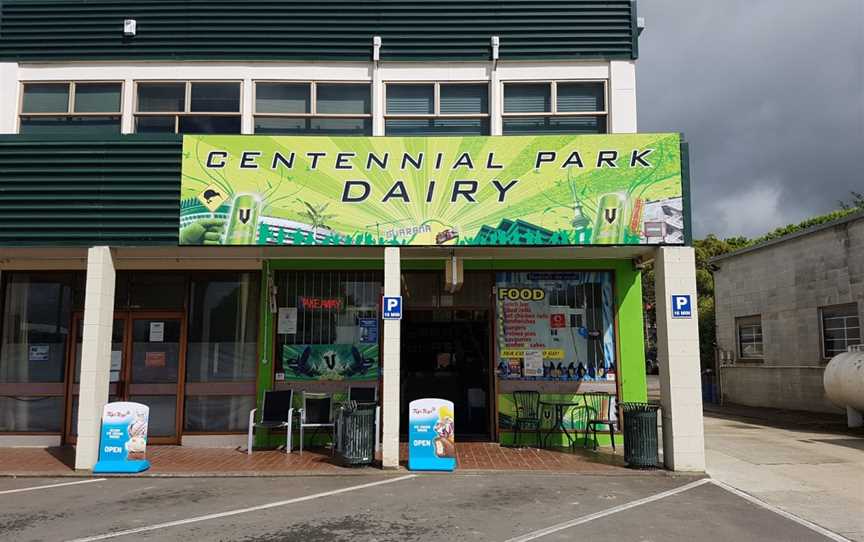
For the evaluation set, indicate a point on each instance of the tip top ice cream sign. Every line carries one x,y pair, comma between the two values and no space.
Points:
522,190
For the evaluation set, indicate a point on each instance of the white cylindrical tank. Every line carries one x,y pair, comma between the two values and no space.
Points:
844,379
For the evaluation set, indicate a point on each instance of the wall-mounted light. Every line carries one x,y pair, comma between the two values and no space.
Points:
376,48
129,27
496,43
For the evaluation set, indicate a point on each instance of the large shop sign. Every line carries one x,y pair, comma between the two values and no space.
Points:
623,189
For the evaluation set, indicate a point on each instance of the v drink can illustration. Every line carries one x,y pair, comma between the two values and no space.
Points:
611,219
243,222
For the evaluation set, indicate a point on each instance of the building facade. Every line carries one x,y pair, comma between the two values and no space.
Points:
124,275
784,309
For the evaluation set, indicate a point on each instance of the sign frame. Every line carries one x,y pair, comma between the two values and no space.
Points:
390,311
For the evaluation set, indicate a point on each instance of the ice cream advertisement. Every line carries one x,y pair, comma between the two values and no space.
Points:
123,444
431,435
609,189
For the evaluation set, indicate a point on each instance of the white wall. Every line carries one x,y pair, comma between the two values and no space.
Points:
9,75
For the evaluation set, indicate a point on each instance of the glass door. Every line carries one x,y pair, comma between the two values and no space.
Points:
146,354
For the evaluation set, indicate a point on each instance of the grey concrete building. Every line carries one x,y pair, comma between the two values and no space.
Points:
784,309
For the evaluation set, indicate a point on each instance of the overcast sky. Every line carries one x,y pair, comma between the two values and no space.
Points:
770,95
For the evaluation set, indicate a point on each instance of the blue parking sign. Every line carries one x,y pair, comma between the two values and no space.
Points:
681,306
391,307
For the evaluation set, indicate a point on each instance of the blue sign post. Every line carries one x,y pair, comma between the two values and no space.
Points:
431,435
391,307
682,306
123,445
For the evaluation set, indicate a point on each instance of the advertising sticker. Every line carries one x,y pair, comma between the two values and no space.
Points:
431,435
123,444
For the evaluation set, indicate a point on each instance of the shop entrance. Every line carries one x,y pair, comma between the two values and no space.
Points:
146,358
446,349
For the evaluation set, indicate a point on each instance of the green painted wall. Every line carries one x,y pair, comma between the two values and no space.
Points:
628,298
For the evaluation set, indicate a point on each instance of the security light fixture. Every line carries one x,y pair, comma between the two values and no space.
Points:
376,48
496,43
129,27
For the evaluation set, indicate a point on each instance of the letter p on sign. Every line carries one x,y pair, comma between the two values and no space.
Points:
681,306
391,307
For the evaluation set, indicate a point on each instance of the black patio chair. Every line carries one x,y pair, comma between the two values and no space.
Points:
317,413
527,414
276,412
602,405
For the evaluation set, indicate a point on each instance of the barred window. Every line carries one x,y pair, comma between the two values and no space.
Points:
841,328
750,337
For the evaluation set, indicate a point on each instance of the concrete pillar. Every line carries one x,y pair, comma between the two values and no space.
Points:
678,353
95,354
622,97
8,97
391,358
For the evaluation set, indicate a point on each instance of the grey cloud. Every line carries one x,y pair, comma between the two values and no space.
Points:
770,95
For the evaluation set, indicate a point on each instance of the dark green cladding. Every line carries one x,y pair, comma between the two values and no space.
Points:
39,30
65,192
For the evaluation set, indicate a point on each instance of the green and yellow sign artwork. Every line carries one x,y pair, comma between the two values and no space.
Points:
512,190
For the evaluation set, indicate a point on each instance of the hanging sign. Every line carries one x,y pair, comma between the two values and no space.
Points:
431,435
123,444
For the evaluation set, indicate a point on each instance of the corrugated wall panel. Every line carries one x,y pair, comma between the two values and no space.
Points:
34,30
86,192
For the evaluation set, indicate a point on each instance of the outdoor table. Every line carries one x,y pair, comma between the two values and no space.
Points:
558,408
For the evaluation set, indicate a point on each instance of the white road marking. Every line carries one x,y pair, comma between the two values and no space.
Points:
608,512
34,488
792,517
267,506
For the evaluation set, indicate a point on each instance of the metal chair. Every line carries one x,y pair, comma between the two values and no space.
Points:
527,414
579,418
317,413
363,394
602,404
276,412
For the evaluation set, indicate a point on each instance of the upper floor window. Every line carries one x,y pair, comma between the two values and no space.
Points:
554,107
437,109
749,337
70,107
313,108
192,107
841,328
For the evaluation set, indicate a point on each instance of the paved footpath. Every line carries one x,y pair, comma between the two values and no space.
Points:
502,507
794,461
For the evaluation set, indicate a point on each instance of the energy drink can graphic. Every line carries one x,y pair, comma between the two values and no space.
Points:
243,221
611,218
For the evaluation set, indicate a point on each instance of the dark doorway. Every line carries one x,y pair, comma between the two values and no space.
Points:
445,355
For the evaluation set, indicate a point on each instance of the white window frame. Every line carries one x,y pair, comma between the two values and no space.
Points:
822,343
748,321
70,106
313,101
187,102
553,100
436,106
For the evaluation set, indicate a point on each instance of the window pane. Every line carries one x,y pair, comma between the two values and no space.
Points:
215,97
218,414
342,99
70,125
223,329
97,97
36,319
527,98
45,98
209,125
150,125
151,290
579,97
163,409
155,362
554,125
282,98
410,99
36,414
313,126
464,99
436,127
281,125
156,97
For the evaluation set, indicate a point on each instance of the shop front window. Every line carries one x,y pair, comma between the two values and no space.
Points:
35,333
556,326
327,326
222,352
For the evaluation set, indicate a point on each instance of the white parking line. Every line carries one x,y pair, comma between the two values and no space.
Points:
608,512
792,517
267,506
49,486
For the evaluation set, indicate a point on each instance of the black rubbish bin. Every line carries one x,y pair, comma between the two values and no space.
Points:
640,435
357,433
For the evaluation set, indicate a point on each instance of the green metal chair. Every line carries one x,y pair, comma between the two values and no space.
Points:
527,414
579,418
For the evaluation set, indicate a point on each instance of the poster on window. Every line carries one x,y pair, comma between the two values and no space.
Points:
555,326
330,361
